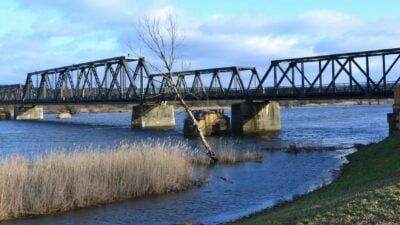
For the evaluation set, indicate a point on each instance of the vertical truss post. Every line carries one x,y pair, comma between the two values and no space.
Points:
320,75
333,77
303,90
37,88
43,87
122,79
368,75
384,70
61,81
275,80
351,74
141,80
293,81
90,79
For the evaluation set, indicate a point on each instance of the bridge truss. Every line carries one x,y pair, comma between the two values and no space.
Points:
370,74
104,80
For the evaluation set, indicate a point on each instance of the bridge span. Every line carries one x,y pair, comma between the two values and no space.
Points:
357,75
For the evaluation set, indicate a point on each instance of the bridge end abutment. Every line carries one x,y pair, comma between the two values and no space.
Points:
256,117
28,112
211,122
153,116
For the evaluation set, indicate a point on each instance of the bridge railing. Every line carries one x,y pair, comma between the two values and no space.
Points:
340,91
13,94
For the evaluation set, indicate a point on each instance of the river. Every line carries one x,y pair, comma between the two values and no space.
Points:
252,187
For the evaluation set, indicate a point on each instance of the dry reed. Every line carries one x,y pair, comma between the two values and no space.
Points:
62,181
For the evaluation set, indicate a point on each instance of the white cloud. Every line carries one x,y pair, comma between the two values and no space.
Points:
328,22
42,34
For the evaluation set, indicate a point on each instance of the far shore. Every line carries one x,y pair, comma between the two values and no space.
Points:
118,108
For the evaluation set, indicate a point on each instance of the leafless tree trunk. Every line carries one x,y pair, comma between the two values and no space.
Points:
163,43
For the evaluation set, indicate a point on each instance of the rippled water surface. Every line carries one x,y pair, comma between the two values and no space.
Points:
254,186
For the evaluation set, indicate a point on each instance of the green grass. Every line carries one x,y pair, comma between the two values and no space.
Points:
367,192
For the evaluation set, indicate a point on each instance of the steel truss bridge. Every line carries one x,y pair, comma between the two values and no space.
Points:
369,74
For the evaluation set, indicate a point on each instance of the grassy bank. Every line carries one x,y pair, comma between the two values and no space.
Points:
367,192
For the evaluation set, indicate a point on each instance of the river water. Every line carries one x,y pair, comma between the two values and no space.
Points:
252,187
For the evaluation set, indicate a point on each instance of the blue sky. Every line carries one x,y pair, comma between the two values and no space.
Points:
40,34
370,9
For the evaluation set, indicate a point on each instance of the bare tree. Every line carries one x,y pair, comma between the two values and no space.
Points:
161,39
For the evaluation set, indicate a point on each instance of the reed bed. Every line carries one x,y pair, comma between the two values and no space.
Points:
62,181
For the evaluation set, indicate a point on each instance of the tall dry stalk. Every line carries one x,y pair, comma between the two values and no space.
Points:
63,181
163,43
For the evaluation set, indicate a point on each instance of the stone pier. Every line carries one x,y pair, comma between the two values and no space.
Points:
211,122
394,117
255,117
28,113
153,116
5,113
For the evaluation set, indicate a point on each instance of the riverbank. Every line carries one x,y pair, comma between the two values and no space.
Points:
366,192
212,104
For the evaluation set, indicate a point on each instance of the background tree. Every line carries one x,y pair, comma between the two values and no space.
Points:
161,39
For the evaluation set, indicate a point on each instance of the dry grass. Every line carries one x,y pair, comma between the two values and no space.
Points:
229,157
63,181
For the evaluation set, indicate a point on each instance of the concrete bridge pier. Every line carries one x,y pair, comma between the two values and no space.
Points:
394,117
256,117
28,112
6,112
211,122
153,116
